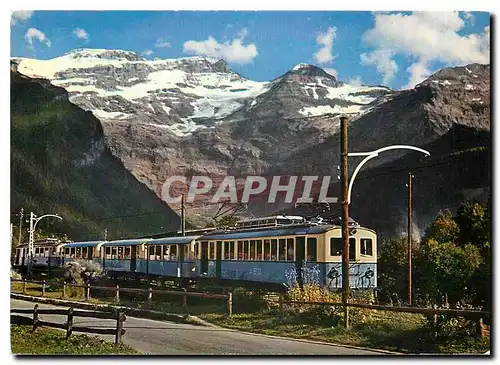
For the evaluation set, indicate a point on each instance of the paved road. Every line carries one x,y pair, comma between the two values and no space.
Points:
168,338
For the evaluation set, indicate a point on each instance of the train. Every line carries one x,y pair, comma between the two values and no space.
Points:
278,250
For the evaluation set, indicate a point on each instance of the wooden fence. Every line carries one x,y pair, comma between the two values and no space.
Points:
431,313
148,293
118,331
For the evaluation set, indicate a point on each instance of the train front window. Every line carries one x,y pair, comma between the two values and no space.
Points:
311,249
366,246
127,253
337,247
226,250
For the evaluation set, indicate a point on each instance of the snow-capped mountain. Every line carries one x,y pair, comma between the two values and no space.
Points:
186,94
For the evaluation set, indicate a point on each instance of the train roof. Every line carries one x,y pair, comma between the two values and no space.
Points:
290,231
177,240
129,242
83,244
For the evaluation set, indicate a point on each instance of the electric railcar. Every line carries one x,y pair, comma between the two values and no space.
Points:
275,254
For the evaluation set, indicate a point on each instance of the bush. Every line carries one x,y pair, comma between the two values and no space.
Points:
15,275
249,301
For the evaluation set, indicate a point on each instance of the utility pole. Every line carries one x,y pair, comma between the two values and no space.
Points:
183,216
410,211
20,226
31,243
344,174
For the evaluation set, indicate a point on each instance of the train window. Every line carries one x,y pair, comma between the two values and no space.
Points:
259,250
72,252
352,249
274,250
267,250
119,253
66,251
158,252
282,221
108,252
151,252
252,249
173,252
231,250
240,250
337,246
84,252
246,255
311,249
166,253
127,253
211,251
282,249
289,246
114,252
196,253
366,246
226,250
78,252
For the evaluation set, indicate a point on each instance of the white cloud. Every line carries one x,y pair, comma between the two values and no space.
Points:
20,16
468,16
331,71
147,52
232,52
355,81
430,36
162,44
418,71
35,33
325,40
382,60
81,33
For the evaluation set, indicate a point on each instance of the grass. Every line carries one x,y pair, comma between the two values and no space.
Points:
399,332
48,341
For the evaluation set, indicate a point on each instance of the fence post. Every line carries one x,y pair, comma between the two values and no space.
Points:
184,300
119,326
24,286
150,297
64,290
117,294
35,317
282,308
69,323
435,326
229,304
87,293
43,288
479,328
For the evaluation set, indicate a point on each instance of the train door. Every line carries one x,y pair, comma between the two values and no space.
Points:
218,258
204,258
133,258
300,255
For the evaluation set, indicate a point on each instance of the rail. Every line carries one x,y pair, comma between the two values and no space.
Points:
118,331
117,289
431,313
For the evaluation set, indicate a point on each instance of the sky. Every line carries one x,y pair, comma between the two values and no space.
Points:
396,49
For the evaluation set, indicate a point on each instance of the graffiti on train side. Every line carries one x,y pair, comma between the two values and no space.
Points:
311,274
361,276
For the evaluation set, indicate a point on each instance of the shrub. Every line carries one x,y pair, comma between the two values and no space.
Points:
249,301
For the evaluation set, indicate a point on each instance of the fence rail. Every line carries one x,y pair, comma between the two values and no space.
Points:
117,289
118,331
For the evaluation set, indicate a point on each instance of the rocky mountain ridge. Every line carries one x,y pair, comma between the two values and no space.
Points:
196,116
